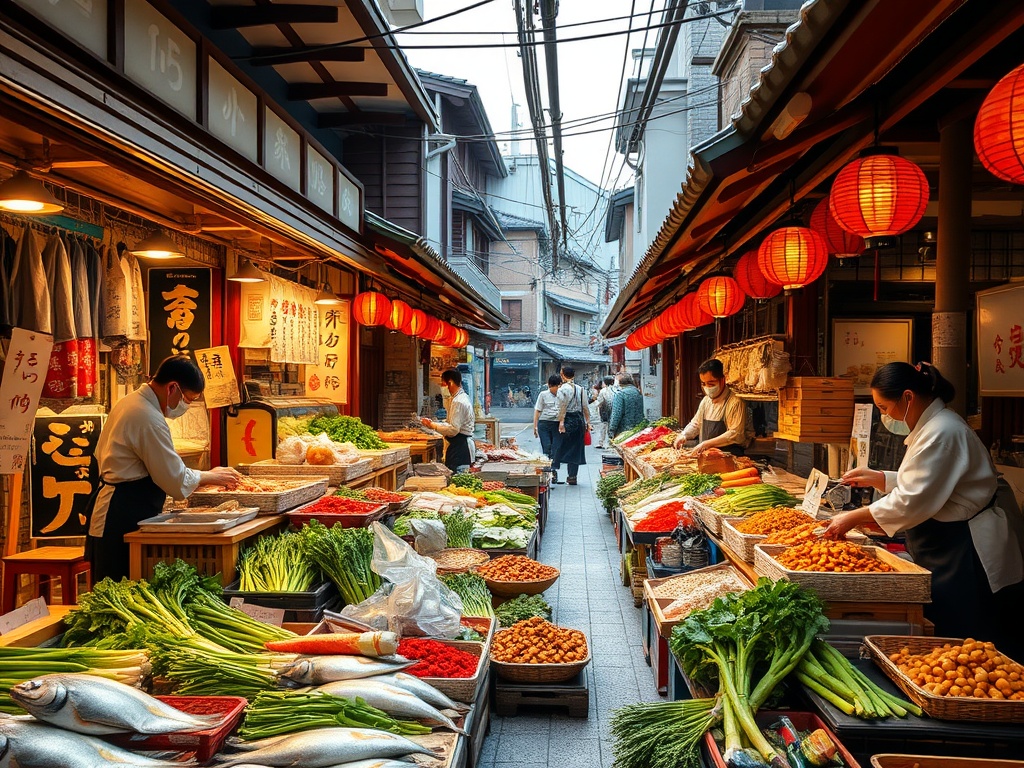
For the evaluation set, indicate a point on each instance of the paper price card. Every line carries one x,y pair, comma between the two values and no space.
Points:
813,492
273,616
24,373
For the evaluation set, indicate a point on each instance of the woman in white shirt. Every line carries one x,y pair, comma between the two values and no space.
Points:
545,417
944,499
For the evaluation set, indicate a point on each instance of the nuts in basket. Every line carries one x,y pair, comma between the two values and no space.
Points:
516,568
535,641
971,670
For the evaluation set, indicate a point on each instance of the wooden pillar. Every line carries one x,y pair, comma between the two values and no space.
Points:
953,256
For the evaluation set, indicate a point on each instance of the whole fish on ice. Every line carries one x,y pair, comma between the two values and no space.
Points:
391,699
317,670
424,690
98,707
323,748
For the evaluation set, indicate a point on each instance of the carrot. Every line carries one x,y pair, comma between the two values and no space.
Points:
346,643
739,474
741,482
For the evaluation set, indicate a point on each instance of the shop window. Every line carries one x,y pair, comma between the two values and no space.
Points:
458,233
566,324
583,327
513,310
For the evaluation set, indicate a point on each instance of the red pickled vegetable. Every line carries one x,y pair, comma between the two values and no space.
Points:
665,518
437,659
339,505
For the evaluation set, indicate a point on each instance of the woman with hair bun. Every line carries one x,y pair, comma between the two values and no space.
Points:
944,499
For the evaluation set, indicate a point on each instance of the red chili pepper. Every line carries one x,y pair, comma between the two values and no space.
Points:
665,518
437,659
383,496
651,436
339,505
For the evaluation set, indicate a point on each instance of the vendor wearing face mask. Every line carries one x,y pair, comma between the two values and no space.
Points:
138,465
721,418
944,498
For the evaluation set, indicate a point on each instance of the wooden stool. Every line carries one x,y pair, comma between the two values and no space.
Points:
64,563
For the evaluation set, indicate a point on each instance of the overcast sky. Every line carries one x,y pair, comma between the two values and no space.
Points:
590,72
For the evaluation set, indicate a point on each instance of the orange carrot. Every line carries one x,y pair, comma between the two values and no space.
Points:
739,474
346,643
741,482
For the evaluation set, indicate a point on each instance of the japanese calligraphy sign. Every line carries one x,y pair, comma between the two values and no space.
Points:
24,374
179,311
221,384
329,378
1000,327
64,474
861,347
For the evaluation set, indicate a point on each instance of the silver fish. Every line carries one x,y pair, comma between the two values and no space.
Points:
31,744
317,670
424,690
325,747
391,699
98,707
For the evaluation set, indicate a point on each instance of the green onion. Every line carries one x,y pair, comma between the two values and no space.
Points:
664,733
459,528
277,713
276,564
344,554
476,597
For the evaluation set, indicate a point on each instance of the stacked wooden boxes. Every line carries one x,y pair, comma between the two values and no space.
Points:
816,410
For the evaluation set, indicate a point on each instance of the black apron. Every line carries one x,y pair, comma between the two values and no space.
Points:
130,502
456,452
571,448
710,429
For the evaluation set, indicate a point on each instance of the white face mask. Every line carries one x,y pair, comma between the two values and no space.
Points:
179,410
897,426
713,392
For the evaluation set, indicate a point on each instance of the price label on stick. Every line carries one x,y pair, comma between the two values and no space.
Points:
273,616
19,617
813,492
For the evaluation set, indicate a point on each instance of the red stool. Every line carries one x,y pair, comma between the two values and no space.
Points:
64,563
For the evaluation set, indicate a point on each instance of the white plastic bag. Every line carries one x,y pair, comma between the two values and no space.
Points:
291,450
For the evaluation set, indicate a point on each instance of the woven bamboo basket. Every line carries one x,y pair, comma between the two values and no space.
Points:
939,707
710,519
743,543
927,761
539,673
907,583
358,469
464,689
458,560
516,588
267,503
336,474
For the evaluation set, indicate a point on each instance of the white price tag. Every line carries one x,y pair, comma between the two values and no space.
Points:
236,602
273,616
19,617
813,492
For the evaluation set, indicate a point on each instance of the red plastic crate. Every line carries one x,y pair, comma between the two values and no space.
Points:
802,721
206,743
374,511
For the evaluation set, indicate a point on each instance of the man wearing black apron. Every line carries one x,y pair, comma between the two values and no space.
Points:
459,447
138,466
721,418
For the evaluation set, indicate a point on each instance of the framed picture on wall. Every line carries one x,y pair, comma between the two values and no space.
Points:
1000,335
860,347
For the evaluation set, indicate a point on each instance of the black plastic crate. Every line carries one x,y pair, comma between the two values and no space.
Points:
298,606
659,571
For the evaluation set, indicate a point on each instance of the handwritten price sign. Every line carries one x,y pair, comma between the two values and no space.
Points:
24,373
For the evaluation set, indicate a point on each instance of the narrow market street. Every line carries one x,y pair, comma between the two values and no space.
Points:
587,596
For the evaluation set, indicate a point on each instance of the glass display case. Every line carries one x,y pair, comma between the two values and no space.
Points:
251,430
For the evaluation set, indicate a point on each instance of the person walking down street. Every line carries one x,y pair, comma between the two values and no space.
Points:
628,406
573,424
545,418
605,403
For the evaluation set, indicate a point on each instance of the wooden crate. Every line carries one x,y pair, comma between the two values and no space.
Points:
657,604
818,408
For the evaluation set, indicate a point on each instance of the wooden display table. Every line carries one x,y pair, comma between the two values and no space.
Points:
426,452
385,477
210,553
37,632
64,563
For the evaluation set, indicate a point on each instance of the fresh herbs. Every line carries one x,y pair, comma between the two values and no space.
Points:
607,486
276,564
459,528
698,484
476,597
663,733
344,554
521,608
347,429
467,480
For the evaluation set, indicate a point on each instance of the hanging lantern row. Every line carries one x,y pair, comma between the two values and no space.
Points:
720,297
371,308
999,129
752,280
838,242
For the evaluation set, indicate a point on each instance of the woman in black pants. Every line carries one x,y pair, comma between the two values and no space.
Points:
545,417
573,424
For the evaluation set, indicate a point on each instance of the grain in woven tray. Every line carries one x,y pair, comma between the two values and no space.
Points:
685,585
701,597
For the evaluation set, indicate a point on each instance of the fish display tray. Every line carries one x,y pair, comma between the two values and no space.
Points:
803,721
335,473
939,707
907,583
271,503
205,744
298,606
180,522
300,517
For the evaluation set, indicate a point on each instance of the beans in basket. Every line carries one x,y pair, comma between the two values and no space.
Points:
971,670
798,535
535,641
773,519
516,568
834,556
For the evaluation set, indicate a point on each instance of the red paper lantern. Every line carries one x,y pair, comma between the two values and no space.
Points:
720,296
431,329
632,343
449,335
793,257
399,315
461,338
999,128
752,280
691,313
647,335
838,242
879,196
673,322
371,308
417,322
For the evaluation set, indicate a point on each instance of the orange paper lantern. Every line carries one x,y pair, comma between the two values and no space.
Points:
752,280
673,322
371,308
838,242
417,322
461,338
999,128
448,335
632,343
431,329
720,296
691,313
399,315
793,257
878,196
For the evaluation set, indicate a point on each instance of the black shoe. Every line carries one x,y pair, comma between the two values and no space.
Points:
571,480
554,479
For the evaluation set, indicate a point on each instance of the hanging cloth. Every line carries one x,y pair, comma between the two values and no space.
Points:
62,375
84,332
8,254
30,291
94,265
116,306
137,331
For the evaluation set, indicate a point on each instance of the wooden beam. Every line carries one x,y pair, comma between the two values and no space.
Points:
240,16
310,91
268,55
343,119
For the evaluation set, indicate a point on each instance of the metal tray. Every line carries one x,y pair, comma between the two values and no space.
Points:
182,522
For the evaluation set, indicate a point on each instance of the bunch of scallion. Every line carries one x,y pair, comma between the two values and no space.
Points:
198,671
476,597
276,564
344,554
280,712
459,528
663,733
231,628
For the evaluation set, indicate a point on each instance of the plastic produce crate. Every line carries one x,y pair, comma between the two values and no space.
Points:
298,606
205,744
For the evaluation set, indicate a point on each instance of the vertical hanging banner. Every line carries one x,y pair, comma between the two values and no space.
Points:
221,383
64,474
179,311
860,439
329,378
24,372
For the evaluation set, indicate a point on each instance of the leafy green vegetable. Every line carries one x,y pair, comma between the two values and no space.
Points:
476,597
344,554
467,480
350,493
277,564
520,608
401,526
506,495
199,671
607,486
281,712
697,484
739,502
663,733
347,429
459,527
500,538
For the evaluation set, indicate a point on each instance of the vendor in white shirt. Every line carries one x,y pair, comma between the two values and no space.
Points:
459,447
138,466
721,418
944,499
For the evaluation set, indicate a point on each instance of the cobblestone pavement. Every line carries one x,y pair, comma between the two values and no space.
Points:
588,596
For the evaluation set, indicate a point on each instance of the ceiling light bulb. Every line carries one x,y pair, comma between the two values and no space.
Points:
247,273
326,296
157,245
23,194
